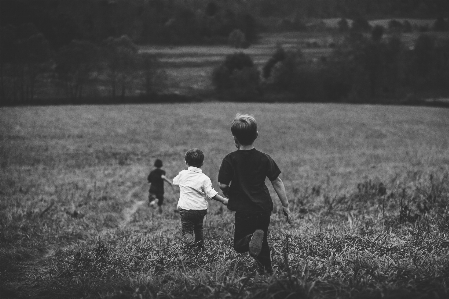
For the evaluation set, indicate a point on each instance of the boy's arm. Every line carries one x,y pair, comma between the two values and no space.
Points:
279,187
166,179
221,199
224,188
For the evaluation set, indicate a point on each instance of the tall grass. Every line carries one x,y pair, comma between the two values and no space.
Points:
368,186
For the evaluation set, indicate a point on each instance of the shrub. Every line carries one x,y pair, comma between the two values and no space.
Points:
377,33
360,25
440,24
237,39
279,55
284,72
394,25
237,78
281,70
343,25
238,61
407,26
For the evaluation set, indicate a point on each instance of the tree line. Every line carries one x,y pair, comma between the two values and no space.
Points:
363,68
193,21
74,71
144,21
75,50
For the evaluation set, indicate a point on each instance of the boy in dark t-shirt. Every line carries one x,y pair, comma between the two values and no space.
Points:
156,178
242,178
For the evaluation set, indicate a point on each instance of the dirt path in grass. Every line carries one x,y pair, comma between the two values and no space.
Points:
128,213
22,282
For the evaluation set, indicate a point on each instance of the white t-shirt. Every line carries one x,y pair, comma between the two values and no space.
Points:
195,187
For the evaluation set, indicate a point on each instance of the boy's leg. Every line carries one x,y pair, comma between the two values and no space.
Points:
187,226
264,259
198,227
160,201
245,226
152,199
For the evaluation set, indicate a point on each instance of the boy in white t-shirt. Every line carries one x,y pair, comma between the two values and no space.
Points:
195,188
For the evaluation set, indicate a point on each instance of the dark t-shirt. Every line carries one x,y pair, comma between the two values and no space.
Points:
246,170
157,183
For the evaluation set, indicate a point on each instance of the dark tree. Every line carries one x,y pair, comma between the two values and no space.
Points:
75,64
237,78
279,55
360,25
343,25
121,59
440,24
395,25
377,33
24,55
211,9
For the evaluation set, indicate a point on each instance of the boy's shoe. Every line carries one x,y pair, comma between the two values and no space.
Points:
255,244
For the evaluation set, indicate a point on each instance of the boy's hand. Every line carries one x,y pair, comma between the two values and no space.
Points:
288,214
225,201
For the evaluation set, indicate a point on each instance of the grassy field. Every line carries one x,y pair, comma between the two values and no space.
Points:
368,186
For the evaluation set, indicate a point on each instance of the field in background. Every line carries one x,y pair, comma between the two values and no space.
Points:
189,68
75,221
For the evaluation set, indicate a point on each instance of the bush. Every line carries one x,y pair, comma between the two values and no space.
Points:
237,39
407,26
440,24
360,25
343,25
377,33
395,25
238,61
237,78
284,72
279,55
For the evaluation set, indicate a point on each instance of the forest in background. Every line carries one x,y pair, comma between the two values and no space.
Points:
82,51
194,21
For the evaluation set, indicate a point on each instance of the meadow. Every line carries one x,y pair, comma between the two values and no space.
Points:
368,186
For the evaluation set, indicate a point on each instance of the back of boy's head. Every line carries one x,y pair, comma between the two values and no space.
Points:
244,128
194,157
158,163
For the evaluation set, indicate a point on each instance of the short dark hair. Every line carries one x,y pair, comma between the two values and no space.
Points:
158,163
194,157
244,129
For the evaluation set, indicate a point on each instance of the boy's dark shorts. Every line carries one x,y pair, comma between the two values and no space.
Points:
159,196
